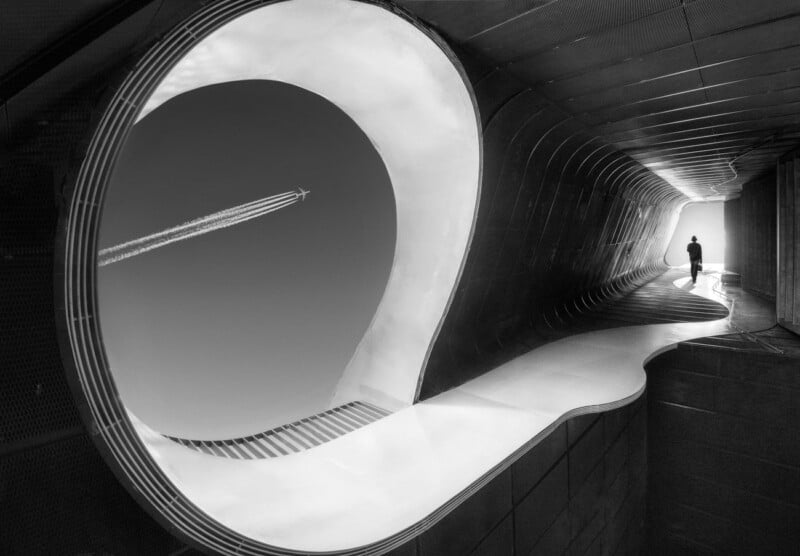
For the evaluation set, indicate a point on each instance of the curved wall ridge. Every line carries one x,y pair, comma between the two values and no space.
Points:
565,222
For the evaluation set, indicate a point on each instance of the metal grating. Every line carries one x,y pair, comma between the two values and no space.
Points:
292,438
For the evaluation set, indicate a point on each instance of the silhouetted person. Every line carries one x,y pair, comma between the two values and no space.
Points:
695,257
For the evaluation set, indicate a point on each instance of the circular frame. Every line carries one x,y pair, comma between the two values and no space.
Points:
79,333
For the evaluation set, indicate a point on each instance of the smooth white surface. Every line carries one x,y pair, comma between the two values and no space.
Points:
407,96
374,482
704,220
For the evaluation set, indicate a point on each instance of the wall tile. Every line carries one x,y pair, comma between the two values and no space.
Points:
587,503
584,455
500,541
554,541
531,467
537,511
461,530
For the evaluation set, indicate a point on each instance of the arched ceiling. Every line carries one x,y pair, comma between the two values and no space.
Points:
703,92
706,93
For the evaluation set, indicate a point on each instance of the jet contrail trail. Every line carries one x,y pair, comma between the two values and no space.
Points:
199,226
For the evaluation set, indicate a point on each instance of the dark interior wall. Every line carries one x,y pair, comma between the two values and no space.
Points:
561,214
57,494
750,222
788,249
733,237
723,452
581,490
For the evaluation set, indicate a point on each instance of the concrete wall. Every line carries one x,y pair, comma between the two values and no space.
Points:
723,452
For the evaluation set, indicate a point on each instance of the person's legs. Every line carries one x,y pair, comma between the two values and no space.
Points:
694,272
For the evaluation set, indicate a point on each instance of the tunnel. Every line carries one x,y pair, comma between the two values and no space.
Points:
527,361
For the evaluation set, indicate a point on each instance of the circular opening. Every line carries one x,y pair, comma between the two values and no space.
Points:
130,250
230,302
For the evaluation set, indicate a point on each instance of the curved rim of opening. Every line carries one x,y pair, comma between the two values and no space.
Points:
75,275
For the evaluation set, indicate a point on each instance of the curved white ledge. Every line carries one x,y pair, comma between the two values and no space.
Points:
410,468
406,91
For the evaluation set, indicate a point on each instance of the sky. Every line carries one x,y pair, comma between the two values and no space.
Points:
249,327
707,222
413,103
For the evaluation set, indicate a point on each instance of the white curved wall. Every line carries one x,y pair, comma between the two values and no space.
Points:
412,102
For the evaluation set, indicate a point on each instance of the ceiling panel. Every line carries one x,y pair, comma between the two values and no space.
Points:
691,147
642,36
761,88
561,23
668,104
465,18
749,40
744,132
710,17
709,125
665,79
636,92
637,70
753,65
755,85
685,86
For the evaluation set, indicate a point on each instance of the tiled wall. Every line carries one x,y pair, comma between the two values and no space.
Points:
580,491
724,452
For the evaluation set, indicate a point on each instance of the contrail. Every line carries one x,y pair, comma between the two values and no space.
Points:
199,226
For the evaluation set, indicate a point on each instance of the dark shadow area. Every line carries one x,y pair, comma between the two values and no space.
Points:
582,487
723,449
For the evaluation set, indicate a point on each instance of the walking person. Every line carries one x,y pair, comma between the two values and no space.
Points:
695,257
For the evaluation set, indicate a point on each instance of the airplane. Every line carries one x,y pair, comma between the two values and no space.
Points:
302,194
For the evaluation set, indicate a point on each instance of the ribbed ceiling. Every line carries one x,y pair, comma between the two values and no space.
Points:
705,93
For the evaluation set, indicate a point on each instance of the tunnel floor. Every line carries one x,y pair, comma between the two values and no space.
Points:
668,298
461,438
